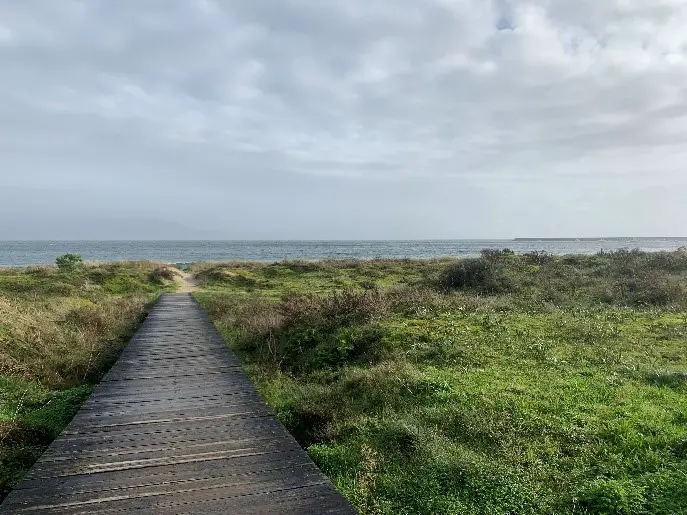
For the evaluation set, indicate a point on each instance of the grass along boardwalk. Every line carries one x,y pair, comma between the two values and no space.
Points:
175,427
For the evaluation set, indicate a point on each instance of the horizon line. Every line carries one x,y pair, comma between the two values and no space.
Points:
309,240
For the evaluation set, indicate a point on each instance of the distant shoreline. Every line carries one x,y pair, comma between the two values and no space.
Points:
34,253
613,238
256,241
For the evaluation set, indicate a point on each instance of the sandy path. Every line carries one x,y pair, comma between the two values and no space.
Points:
187,283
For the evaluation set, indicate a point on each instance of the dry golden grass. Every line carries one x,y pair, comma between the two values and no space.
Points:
59,332
64,349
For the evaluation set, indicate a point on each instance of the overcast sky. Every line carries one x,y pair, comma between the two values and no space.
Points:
342,119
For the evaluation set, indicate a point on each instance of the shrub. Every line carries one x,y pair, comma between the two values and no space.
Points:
160,274
613,497
625,262
467,273
69,262
496,254
306,332
485,275
649,289
669,261
538,258
345,346
336,310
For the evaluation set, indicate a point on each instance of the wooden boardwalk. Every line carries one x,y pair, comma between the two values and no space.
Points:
175,427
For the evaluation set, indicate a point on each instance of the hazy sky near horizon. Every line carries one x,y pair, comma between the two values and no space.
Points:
318,119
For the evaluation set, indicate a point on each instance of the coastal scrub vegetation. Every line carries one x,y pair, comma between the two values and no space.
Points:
60,329
500,384
67,262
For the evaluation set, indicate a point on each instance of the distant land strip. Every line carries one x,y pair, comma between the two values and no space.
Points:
643,238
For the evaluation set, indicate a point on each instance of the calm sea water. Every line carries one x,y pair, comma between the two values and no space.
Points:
21,253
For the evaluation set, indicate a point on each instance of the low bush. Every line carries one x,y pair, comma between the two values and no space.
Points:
613,497
649,289
335,310
539,258
161,274
69,262
496,254
485,275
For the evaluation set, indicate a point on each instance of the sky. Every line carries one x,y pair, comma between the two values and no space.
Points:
323,119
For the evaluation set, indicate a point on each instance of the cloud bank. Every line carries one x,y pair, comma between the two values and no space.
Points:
357,119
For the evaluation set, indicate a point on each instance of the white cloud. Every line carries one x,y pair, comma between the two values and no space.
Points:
523,98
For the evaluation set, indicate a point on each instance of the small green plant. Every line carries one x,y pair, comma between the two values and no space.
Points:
613,497
68,262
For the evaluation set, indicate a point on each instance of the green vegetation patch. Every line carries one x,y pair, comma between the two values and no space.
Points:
275,279
60,330
503,384
31,416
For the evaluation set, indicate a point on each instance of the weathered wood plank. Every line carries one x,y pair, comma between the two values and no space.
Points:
175,427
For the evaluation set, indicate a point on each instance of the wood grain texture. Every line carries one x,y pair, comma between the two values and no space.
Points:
175,427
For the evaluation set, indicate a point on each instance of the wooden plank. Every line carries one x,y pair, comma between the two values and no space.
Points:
175,427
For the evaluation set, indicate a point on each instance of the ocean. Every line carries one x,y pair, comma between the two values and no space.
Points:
22,253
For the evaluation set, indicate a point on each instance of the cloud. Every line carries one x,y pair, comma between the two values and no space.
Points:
509,100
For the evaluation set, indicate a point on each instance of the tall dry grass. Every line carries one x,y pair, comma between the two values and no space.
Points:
59,332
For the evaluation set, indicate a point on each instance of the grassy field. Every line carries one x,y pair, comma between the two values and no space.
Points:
504,384
59,331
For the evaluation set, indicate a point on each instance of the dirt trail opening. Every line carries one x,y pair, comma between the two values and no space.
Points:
187,283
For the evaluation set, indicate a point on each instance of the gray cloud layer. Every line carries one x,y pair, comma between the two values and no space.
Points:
356,119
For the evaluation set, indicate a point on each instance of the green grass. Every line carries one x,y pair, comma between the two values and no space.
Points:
277,279
510,384
31,416
59,332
